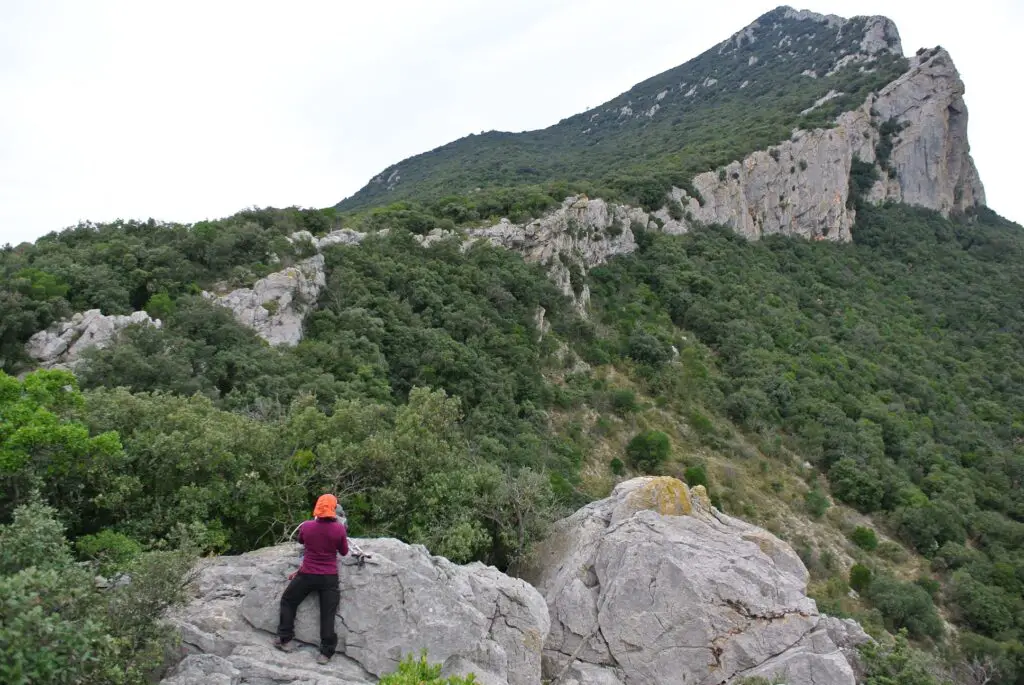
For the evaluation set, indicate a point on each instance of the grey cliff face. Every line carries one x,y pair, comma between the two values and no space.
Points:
653,586
582,232
276,305
61,345
470,618
931,156
801,187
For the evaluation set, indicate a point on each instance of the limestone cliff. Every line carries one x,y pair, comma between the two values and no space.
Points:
914,132
578,236
275,306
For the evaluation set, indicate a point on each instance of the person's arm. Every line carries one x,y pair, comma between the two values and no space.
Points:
301,526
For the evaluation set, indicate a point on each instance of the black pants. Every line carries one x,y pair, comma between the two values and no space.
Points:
330,595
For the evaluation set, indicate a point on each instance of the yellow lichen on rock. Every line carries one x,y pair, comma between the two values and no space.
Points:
666,495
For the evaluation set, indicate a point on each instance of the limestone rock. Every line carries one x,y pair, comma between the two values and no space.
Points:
204,669
654,586
469,618
801,187
931,155
61,345
582,233
276,305
343,236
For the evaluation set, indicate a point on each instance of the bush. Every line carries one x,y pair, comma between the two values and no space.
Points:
816,502
860,577
905,605
617,467
624,401
647,451
696,475
420,672
113,551
865,538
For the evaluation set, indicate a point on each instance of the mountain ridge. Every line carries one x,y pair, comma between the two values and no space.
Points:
852,77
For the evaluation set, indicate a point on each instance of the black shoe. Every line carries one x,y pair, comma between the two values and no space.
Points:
289,646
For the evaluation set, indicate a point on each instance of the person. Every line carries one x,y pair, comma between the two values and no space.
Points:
323,538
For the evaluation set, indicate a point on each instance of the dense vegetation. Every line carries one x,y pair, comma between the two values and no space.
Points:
896,364
425,397
662,132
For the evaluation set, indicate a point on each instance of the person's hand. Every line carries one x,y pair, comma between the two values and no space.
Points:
291,576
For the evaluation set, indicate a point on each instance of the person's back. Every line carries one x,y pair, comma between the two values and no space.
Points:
324,540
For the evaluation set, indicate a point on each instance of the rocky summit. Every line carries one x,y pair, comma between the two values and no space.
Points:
651,586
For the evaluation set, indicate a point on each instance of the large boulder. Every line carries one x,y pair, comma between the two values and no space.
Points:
653,586
470,618
275,306
61,345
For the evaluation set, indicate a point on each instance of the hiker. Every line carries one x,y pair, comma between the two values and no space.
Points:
323,538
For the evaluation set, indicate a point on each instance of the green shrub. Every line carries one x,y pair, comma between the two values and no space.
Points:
860,577
816,503
617,466
624,401
904,605
696,475
411,671
865,538
647,451
112,550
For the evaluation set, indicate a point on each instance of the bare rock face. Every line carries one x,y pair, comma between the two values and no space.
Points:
60,346
653,586
802,186
276,305
470,618
579,235
930,155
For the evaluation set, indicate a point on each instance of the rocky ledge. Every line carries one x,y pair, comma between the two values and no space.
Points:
650,586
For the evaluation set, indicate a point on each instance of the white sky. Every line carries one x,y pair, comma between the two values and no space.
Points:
196,109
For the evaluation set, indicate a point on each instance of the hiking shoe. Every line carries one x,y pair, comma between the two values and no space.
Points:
322,659
289,646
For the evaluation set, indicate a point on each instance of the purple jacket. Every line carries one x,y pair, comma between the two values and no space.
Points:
323,540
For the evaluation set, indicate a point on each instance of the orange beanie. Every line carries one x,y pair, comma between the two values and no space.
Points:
325,507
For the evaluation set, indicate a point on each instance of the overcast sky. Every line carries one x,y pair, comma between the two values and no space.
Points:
195,109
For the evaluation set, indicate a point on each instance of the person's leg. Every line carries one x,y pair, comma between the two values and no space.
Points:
290,601
330,596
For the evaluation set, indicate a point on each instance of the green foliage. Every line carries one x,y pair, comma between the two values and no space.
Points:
865,538
696,475
648,450
816,502
42,449
904,606
617,466
412,671
124,266
860,577
897,663
55,627
624,402
111,550
875,361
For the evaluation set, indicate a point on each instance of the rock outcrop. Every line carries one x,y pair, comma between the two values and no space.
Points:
653,586
470,618
802,186
275,306
578,236
61,345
